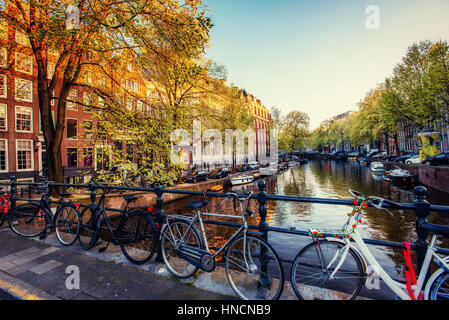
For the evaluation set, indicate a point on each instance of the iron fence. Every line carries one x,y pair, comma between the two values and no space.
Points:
420,206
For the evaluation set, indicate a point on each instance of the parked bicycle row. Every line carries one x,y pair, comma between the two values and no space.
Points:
330,267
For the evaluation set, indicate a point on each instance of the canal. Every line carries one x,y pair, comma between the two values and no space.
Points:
328,179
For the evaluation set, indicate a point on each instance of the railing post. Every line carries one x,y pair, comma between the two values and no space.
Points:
12,191
422,211
93,194
265,279
159,218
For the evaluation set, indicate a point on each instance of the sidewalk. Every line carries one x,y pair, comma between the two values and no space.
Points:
31,269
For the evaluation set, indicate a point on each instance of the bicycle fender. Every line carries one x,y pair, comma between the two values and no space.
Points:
432,278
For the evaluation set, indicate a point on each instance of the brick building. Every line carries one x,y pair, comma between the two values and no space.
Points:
23,152
262,124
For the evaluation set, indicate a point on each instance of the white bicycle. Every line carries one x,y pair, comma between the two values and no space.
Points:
332,268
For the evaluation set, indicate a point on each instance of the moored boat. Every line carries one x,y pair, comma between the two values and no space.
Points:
217,188
399,176
241,180
269,171
377,167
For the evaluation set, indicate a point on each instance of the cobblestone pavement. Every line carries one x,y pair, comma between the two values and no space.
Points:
33,269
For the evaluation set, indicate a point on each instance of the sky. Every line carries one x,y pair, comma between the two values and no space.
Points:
318,56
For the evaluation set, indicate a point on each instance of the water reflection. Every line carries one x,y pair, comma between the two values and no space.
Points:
325,179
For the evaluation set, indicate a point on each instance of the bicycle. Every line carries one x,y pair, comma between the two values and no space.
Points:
253,268
5,199
37,219
333,268
134,234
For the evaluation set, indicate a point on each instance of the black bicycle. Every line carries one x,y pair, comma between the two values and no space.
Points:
34,219
135,233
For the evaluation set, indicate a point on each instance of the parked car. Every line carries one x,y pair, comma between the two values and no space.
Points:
242,168
254,165
196,176
441,159
220,173
403,158
379,156
414,160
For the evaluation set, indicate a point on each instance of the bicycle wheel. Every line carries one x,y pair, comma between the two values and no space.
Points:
67,224
312,268
176,233
27,220
254,269
138,238
89,229
439,289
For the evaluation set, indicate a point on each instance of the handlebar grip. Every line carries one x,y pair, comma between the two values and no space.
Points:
355,193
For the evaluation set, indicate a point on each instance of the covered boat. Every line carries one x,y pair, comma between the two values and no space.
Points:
400,176
241,180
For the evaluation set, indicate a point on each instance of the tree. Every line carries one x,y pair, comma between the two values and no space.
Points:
107,29
294,131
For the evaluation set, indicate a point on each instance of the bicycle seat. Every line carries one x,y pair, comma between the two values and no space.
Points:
197,204
130,198
436,229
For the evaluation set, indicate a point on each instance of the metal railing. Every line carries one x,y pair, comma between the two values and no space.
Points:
420,206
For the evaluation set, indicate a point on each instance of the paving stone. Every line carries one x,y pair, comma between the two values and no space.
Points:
49,250
22,260
22,268
7,258
45,267
5,266
27,252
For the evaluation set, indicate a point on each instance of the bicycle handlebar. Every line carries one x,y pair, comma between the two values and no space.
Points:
376,202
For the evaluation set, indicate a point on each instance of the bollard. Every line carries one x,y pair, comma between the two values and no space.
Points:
265,279
12,191
422,211
159,191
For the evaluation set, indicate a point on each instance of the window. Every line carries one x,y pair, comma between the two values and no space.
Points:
3,117
3,58
3,87
24,63
72,100
3,30
50,70
88,101
72,129
72,157
130,103
87,129
24,119
24,155
52,101
22,38
88,157
24,90
140,106
3,155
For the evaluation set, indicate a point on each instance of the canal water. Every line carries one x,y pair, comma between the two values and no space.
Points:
327,179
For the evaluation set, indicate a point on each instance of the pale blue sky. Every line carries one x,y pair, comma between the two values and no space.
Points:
317,56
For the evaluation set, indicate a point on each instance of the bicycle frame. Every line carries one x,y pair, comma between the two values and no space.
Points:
397,287
198,218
